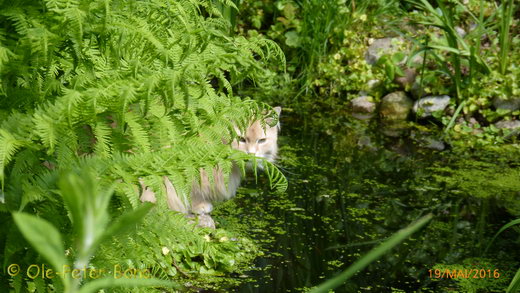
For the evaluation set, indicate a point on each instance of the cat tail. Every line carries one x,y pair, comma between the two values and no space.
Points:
174,202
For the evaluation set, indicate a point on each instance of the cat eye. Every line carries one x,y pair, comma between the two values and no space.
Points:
262,140
242,140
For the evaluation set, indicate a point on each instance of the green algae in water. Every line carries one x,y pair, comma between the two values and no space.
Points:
344,199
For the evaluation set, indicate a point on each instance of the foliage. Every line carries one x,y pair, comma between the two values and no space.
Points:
326,43
515,283
129,89
87,208
465,57
323,43
170,246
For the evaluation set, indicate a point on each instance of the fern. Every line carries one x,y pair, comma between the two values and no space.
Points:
8,147
125,88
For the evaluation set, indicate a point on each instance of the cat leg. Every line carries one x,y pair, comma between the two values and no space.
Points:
202,207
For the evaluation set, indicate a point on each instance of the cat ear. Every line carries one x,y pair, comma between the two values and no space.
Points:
278,111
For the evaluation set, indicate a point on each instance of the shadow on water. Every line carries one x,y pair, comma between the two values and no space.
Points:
349,191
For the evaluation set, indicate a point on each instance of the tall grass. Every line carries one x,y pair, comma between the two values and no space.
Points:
462,53
507,8
319,18
514,286
323,21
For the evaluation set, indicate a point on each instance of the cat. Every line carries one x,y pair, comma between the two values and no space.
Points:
257,140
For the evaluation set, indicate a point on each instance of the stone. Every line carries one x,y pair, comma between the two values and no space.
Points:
417,90
424,107
508,124
511,104
434,144
379,47
395,106
462,33
366,142
205,221
395,129
363,107
373,83
406,81
428,142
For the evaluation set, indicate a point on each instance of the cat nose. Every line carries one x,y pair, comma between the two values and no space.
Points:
251,151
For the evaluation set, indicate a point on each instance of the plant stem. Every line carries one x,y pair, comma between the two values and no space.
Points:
504,39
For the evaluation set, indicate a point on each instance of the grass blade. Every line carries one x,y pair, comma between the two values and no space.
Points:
373,255
506,226
515,283
452,120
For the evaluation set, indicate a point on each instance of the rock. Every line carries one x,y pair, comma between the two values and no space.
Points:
363,107
462,33
379,47
395,106
508,124
417,90
395,129
205,221
511,104
424,107
434,144
373,83
406,81
425,140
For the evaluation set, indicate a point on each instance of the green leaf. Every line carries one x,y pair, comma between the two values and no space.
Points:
399,71
8,148
515,283
390,70
127,221
43,236
398,57
292,39
506,226
450,49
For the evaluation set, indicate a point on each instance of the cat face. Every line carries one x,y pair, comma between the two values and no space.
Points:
256,140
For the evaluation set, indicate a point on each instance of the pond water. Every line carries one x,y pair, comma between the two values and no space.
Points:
351,188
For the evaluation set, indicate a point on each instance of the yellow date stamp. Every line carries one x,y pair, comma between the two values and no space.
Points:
464,274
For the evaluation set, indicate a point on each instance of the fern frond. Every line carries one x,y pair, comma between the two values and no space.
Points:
8,147
102,133
47,130
139,134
